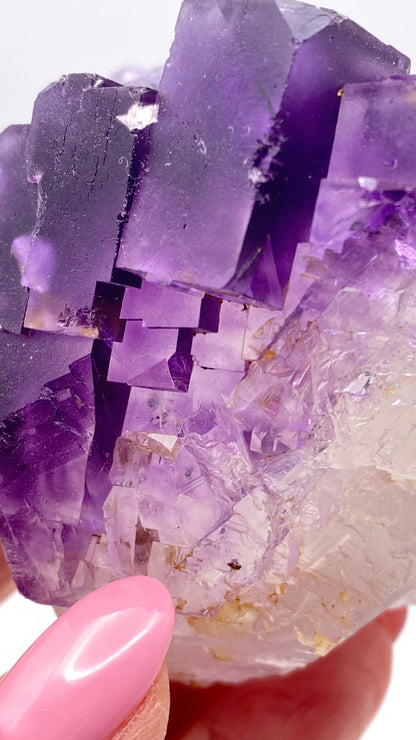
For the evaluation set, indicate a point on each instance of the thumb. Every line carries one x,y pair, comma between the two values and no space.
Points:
150,718
97,672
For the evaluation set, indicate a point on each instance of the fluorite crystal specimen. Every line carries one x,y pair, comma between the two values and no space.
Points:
264,104
208,332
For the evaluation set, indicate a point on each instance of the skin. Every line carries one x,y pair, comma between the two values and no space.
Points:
334,698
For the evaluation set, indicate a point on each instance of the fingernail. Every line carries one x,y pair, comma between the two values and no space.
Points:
86,674
393,621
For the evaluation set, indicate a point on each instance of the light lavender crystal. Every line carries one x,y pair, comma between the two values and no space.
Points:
378,134
324,535
152,358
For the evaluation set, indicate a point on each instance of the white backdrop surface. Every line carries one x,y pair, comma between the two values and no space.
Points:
40,41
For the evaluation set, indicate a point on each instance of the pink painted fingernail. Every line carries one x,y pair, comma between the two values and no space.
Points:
86,674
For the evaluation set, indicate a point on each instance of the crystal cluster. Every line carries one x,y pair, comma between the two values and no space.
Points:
208,336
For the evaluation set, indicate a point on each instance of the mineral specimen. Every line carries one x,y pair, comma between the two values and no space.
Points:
231,152
208,332
79,150
17,217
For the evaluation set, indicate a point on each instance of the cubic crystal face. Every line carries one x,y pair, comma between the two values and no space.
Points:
208,332
233,94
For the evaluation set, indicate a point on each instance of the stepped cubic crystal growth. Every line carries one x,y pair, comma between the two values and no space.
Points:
208,336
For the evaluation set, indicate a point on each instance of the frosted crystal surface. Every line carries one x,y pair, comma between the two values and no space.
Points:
17,219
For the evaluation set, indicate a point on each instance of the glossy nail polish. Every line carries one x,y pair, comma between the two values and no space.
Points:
86,674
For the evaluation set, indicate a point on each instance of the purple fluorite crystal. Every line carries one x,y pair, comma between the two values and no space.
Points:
207,347
17,219
264,103
79,151
377,134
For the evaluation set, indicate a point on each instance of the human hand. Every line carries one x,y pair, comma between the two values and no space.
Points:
332,699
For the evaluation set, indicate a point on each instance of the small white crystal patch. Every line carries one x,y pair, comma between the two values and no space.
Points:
139,116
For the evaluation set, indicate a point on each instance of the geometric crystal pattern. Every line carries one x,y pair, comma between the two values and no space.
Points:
208,332
233,94
79,149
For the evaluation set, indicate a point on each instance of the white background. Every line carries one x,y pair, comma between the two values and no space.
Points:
39,41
